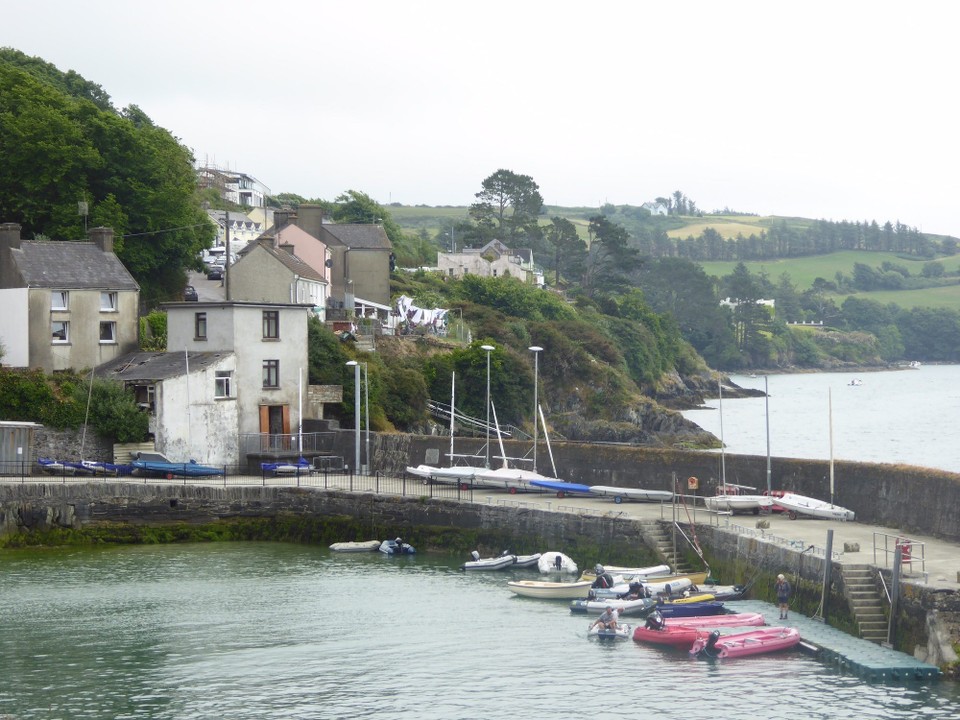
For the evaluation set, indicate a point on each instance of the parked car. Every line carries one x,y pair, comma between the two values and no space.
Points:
190,293
215,272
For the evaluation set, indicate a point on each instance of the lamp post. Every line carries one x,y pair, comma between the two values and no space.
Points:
488,349
356,414
366,418
535,349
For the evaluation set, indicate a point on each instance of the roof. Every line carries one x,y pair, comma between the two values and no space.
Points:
291,262
153,366
65,264
361,237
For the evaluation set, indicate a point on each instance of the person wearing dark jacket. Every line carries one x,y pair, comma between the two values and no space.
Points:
782,588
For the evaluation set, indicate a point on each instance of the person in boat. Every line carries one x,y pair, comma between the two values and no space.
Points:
782,588
607,620
603,579
636,591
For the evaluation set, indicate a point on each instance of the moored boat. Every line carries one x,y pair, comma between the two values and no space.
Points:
640,606
742,644
684,631
796,505
550,590
629,573
499,562
396,547
556,562
300,467
526,560
356,546
690,609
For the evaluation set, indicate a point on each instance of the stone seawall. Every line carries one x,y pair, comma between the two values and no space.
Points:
909,499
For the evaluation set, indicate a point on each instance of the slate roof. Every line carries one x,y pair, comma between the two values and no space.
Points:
154,366
365,237
68,265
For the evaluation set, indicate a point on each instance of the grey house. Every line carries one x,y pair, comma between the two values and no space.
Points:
66,305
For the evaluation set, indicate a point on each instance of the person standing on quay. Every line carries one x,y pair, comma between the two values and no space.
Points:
782,587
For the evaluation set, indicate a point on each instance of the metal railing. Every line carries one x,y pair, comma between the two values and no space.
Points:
911,552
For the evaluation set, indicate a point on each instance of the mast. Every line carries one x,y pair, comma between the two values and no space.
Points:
723,457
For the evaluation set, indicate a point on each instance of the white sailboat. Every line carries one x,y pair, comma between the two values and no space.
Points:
452,474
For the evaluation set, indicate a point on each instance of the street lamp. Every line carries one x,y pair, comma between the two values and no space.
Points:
356,413
488,349
536,350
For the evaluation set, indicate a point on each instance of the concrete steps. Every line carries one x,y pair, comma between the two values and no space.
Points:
866,602
658,535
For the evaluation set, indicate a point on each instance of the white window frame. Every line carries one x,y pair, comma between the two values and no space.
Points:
108,302
223,384
59,299
112,327
65,340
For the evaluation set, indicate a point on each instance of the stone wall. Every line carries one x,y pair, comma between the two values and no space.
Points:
909,499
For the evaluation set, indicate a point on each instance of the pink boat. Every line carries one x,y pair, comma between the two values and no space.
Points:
751,642
685,630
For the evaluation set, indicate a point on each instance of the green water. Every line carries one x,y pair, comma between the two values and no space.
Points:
264,630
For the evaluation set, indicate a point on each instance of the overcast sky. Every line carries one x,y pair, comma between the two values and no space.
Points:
838,110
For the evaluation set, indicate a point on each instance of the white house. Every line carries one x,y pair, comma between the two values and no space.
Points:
492,260
191,398
656,208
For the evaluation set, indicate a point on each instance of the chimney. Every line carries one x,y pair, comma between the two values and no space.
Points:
9,236
310,219
281,218
288,248
102,237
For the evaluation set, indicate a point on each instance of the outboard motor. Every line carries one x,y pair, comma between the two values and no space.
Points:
475,555
558,562
655,621
710,649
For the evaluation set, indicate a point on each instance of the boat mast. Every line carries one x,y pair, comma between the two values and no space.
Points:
723,457
547,438
503,453
766,399
830,414
453,390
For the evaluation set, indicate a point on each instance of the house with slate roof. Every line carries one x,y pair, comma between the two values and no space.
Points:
191,400
265,272
494,259
66,304
360,256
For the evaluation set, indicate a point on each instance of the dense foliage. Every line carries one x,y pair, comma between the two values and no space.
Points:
63,143
61,401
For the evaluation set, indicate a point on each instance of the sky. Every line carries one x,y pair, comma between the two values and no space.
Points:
835,110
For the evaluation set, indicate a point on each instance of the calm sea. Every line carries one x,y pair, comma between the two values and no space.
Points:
269,630
904,416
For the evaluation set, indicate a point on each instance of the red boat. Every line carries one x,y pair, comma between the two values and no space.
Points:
684,631
751,642
776,494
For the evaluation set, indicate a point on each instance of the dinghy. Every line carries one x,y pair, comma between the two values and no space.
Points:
640,606
361,546
622,632
556,562
396,547
742,644
495,563
684,631
546,590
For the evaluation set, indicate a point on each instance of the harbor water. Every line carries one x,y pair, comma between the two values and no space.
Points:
274,630
904,417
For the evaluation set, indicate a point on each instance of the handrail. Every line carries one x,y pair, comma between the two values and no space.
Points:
907,548
886,590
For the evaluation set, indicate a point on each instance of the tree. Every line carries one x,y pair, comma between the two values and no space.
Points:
510,204
609,260
63,142
570,250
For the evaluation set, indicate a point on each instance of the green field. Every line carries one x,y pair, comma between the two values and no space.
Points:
803,271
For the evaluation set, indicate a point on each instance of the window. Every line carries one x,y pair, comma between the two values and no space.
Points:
108,302
200,326
108,332
61,331
271,373
59,300
271,324
223,382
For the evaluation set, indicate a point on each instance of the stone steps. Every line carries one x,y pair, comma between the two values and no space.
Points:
865,602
